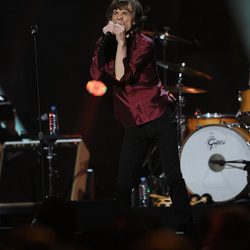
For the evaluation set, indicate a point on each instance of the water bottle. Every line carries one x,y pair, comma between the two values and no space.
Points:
143,193
53,121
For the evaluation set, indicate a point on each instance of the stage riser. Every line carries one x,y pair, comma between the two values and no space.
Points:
80,216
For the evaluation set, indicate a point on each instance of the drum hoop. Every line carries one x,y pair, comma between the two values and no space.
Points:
228,126
244,89
213,115
244,113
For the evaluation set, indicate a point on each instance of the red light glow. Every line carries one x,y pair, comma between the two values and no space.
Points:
96,88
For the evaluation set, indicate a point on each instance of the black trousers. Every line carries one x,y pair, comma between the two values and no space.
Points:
136,142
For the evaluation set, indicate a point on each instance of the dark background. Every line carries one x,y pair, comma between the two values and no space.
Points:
67,31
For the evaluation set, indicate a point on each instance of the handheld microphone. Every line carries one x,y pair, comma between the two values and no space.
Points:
101,53
108,34
105,38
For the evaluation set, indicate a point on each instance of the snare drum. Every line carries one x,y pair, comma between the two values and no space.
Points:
223,182
198,121
244,99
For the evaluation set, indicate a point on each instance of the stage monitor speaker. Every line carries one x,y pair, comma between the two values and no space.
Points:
24,179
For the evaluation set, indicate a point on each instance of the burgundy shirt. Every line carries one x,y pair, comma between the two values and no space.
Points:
139,96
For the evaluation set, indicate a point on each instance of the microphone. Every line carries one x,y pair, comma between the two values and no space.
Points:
101,53
108,34
219,162
216,162
33,29
105,39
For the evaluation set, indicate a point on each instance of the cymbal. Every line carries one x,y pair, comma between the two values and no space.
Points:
186,90
183,69
166,36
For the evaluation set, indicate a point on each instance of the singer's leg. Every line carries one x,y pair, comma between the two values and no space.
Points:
133,152
164,131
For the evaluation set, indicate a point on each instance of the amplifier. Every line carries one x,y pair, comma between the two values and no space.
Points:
25,175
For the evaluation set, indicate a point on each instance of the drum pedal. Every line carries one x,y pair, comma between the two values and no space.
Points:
160,200
204,199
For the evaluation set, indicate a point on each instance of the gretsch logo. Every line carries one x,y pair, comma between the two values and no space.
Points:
213,142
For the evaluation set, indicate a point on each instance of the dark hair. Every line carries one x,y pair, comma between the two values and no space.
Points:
123,4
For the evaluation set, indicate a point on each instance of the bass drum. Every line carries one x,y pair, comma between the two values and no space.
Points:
198,156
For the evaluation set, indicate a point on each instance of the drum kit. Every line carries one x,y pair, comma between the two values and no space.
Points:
215,153
214,148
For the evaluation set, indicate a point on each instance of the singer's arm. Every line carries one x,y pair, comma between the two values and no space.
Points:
138,65
102,72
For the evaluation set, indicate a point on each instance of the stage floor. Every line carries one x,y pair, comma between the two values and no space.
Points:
82,215
95,220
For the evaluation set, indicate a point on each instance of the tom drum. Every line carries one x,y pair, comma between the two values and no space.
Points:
244,99
197,121
215,142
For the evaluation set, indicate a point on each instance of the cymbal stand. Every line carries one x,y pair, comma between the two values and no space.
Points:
164,41
180,103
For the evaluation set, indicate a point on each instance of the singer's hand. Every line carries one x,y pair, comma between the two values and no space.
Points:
117,29
108,28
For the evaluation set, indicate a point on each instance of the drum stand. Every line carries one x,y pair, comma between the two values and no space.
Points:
180,101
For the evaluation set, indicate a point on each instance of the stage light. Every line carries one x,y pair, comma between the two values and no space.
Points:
240,13
19,126
96,88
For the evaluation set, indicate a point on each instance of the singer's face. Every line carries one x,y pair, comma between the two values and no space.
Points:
124,17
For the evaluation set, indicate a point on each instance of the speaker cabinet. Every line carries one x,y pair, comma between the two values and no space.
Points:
62,171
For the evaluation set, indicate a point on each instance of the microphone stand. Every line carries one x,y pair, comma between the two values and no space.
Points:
33,32
245,168
52,172
47,142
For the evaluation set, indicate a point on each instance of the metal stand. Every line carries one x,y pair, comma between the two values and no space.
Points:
48,142
245,168
180,103
52,172
33,31
218,162
164,41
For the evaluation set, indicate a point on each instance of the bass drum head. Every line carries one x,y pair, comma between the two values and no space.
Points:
215,142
